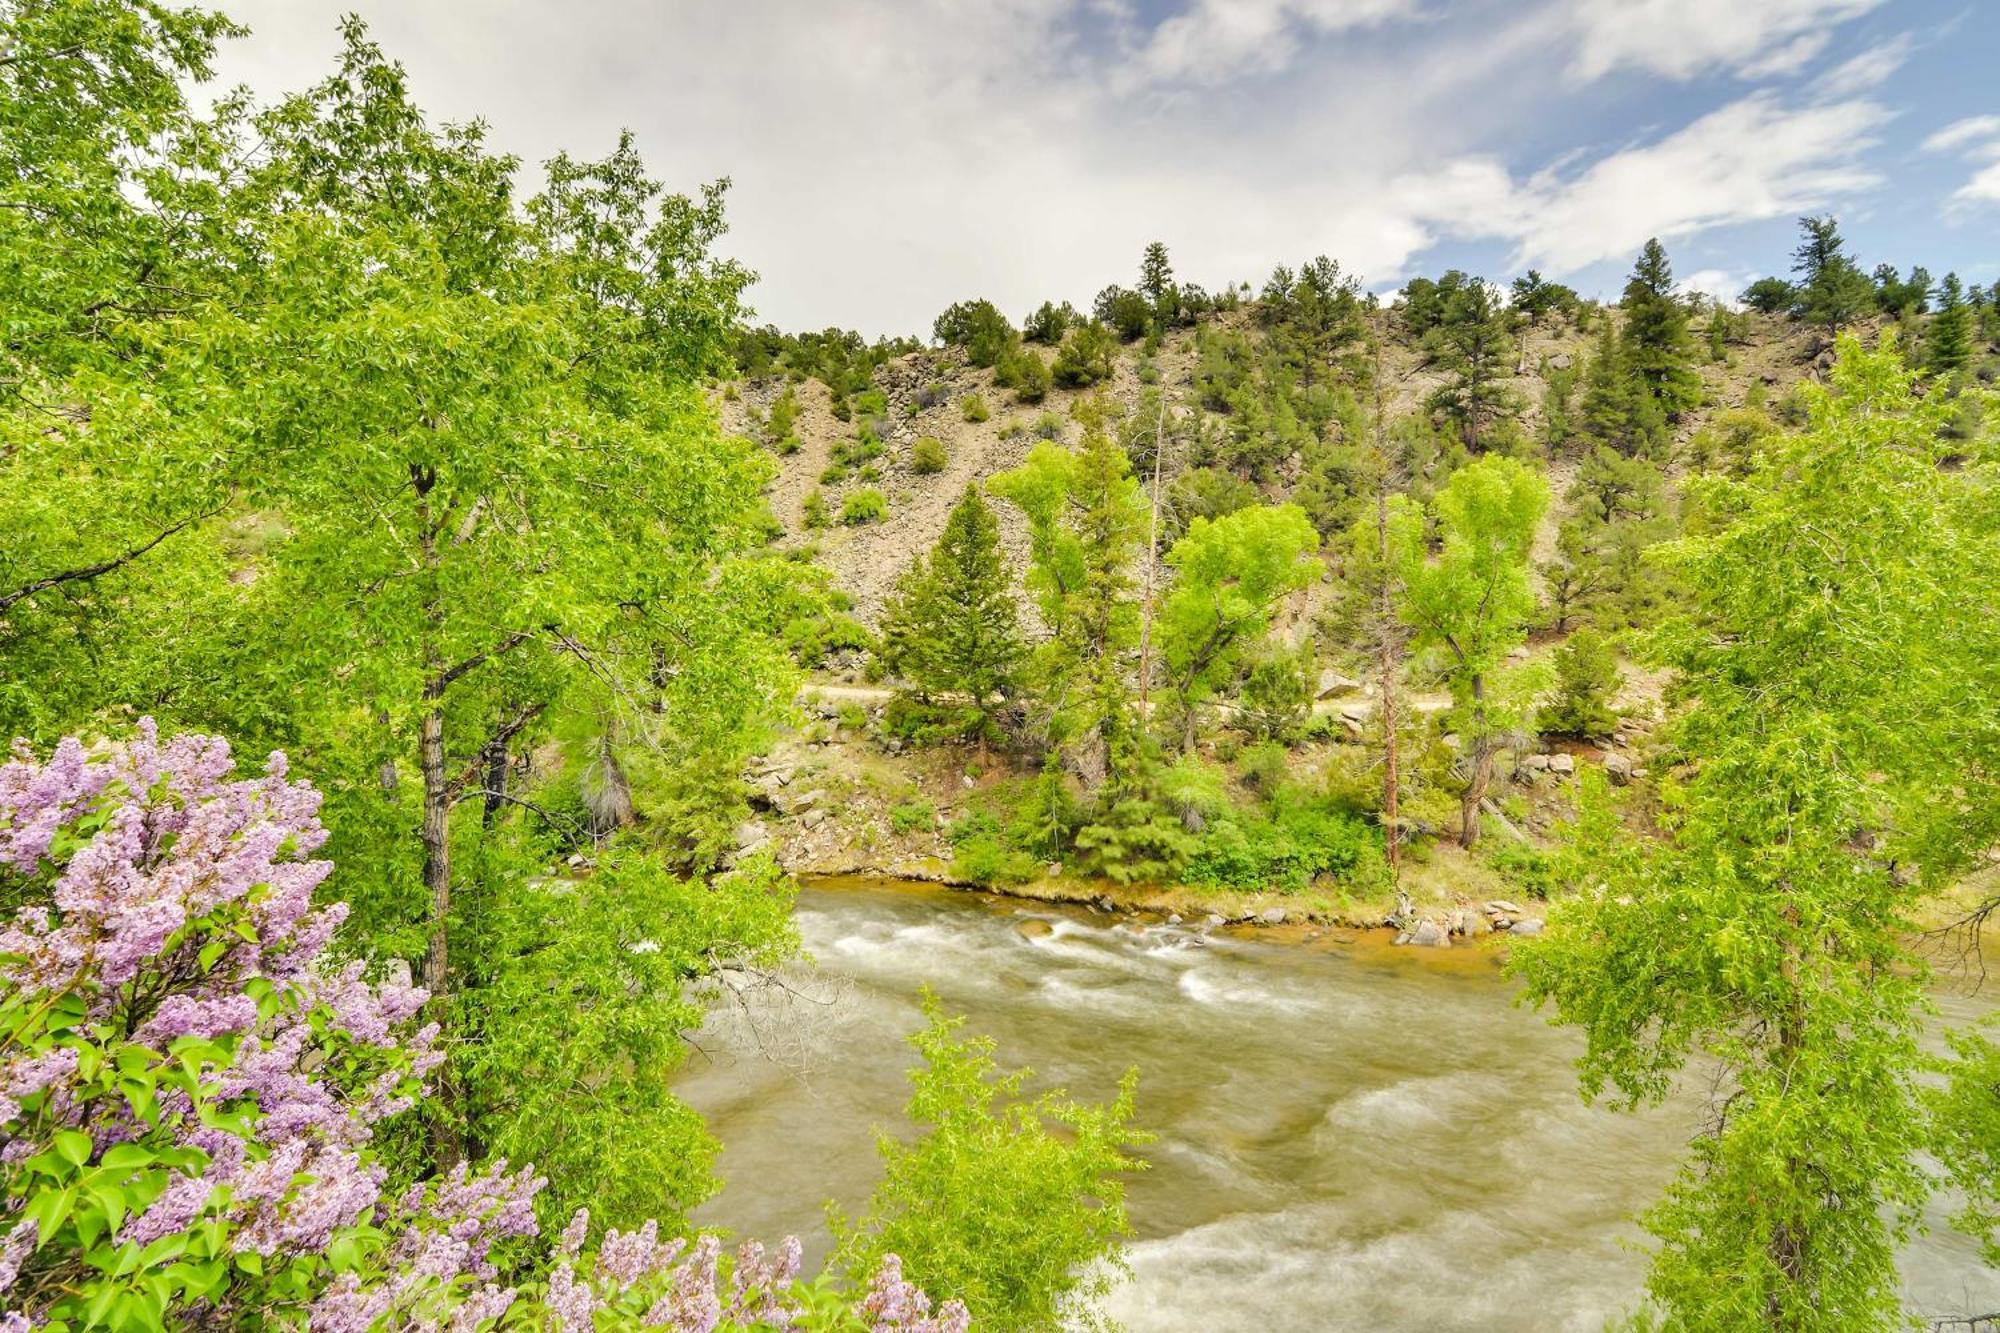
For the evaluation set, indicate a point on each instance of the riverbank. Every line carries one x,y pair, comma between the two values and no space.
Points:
833,804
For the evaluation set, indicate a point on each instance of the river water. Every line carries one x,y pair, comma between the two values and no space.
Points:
1348,1136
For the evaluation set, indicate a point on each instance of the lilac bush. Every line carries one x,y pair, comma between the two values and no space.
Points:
190,1085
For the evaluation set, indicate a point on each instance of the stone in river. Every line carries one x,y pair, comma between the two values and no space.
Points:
1272,916
1428,934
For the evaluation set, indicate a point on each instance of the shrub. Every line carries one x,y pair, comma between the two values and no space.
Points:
866,506
1304,839
1049,426
974,408
1086,357
927,456
1049,323
1026,374
813,639
813,510
194,1086
913,816
983,854
1013,1205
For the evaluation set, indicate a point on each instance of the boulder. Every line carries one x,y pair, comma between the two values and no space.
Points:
1535,763
813,818
1562,764
1332,683
1428,935
1619,769
1272,916
751,834
1503,906
1528,925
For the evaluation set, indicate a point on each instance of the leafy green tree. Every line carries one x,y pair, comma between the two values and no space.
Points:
1833,783
951,626
1014,1205
595,995
1471,599
1231,574
1832,290
1658,347
1471,343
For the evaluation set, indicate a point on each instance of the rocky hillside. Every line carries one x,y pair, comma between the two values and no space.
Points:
925,392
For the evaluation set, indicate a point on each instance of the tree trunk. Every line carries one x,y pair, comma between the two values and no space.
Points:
1481,776
446,1146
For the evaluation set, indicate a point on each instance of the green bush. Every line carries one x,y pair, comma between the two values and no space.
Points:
1085,357
865,506
1026,374
974,408
1302,840
813,639
983,854
915,815
1049,426
927,456
814,510
1136,841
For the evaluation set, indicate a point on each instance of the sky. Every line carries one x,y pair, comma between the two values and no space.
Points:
889,157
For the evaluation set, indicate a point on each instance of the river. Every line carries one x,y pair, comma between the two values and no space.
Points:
1349,1136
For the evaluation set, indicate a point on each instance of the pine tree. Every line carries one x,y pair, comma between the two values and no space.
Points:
951,626
1618,412
1951,328
1658,348
1156,284
1473,346
1832,289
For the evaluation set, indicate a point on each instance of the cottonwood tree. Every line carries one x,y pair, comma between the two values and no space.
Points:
1230,575
1838,745
1471,600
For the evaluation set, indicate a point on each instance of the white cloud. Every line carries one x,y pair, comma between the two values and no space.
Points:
1870,69
892,156
1983,188
1719,285
1683,38
1750,160
1962,133
1215,40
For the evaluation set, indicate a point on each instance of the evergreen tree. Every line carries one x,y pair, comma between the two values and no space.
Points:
1658,348
1618,411
1086,526
1156,284
1831,289
1471,343
1536,298
951,626
1950,341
